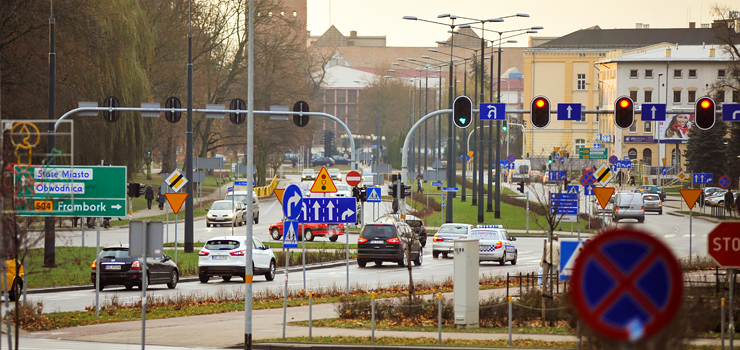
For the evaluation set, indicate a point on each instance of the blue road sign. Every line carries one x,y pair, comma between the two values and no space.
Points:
450,189
511,158
588,190
569,251
731,112
613,160
292,202
373,194
556,175
437,184
564,196
724,182
589,177
702,178
613,167
625,275
564,211
569,111
573,189
653,112
565,203
624,164
230,188
330,210
492,111
290,234
242,183
504,164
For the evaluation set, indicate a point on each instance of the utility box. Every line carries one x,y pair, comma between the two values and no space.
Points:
466,283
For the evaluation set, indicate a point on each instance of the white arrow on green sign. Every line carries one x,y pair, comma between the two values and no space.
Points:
90,191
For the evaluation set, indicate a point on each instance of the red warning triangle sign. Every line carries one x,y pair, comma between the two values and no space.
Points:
176,200
323,183
690,196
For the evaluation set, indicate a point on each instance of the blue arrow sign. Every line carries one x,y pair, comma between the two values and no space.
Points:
492,111
665,170
373,194
564,196
290,234
450,189
330,210
624,164
569,111
564,211
292,202
556,175
653,112
702,178
565,203
437,184
731,112
588,190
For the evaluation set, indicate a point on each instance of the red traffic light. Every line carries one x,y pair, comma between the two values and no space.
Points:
540,112
624,112
705,104
704,112
539,103
624,103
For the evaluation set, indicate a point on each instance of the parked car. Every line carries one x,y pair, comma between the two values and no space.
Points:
628,206
241,196
308,175
495,244
536,176
651,189
443,240
652,203
608,209
415,223
339,160
708,190
224,212
720,200
311,230
118,268
15,280
334,174
226,257
715,196
343,190
322,161
386,242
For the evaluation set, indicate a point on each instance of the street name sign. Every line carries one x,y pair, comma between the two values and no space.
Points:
569,111
492,111
89,191
450,189
330,210
626,285
724,244
593,153
437,184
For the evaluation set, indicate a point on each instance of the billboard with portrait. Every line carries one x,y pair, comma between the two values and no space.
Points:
676,128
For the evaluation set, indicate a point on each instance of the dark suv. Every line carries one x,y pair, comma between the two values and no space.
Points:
386,242
118,268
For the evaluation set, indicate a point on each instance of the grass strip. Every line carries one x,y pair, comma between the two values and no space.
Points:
431,327
521,343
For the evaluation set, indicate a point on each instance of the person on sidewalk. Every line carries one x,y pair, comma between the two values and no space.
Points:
729,202
160,200
149,195
419,188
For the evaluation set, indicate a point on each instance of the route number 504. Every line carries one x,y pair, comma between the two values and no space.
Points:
43,205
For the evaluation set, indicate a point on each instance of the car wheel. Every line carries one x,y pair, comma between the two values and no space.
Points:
174,278
129,286
309,235
257,219
420,258
516,255
226,278
503,259
203,278
333,238
275,234
404,261
660,212
16,289
361,263
435,254
445,255
270,275
641,220
208,225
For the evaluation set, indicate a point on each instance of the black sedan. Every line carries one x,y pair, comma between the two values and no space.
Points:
118,268
322,161
339,160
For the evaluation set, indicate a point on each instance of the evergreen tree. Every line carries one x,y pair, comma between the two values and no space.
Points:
706,151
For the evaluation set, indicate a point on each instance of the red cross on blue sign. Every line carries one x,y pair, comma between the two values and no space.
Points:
626,281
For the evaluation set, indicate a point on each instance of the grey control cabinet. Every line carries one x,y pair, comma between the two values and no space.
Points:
466,283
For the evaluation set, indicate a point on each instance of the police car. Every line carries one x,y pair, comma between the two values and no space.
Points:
495,244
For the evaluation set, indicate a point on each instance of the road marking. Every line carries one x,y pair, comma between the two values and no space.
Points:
669,236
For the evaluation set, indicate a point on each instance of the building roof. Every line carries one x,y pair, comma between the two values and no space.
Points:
674,53
596,37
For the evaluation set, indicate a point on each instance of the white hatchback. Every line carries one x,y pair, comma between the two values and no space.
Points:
226,257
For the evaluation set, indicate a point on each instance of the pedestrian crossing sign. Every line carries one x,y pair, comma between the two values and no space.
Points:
290,234
373,194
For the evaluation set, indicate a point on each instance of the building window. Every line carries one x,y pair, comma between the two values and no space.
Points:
647,155
352,96
633,73
633,95
633,128
692,95
329,99
295,14
692,73
677,73
341,96
580,143
581,82
648,96
648,74
720,97
632,153
721,73
648,127
677,96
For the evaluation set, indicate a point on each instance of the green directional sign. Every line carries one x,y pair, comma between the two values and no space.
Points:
593,153
91,191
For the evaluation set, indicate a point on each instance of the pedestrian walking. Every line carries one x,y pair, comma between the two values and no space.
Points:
729,202
160,200
149,195
419,188
620,175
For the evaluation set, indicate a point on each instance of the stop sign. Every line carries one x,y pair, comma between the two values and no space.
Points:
354,178
724,244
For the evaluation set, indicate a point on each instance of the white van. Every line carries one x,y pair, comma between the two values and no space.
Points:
522,167
242,197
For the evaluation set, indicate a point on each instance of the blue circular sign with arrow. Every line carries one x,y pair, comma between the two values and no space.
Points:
292,202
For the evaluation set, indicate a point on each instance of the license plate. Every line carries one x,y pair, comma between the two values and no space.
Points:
218,257
376,242
112,267
333,228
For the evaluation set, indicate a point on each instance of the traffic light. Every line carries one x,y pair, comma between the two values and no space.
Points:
300,120
540,112
133,189
174,103
624,112
549,159
363,194
520,187
504,126
109,115
238,104
704,112
392,189
462,111
356,192
406,191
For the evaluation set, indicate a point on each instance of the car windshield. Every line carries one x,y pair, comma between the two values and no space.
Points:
115,253
239,198
378,231
334,171
456,229
222,244
221,205
308,172
342,187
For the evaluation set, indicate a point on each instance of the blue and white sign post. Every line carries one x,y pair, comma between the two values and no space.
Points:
569,111
492,111
569,250
566,205
330,210
702,178
653,112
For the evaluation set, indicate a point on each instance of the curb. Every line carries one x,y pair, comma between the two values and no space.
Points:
332,346
189,279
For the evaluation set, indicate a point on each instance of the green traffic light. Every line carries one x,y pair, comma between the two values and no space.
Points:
463,120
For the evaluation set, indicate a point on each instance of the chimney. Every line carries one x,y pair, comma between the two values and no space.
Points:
692,25
638,25
668,52
711,52
352,33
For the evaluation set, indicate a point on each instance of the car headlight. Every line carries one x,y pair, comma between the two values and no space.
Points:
209,215
231,215
339,176
303,176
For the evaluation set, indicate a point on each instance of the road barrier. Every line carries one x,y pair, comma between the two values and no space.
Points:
266,191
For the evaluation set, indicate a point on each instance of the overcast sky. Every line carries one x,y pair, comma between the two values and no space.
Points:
384,17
